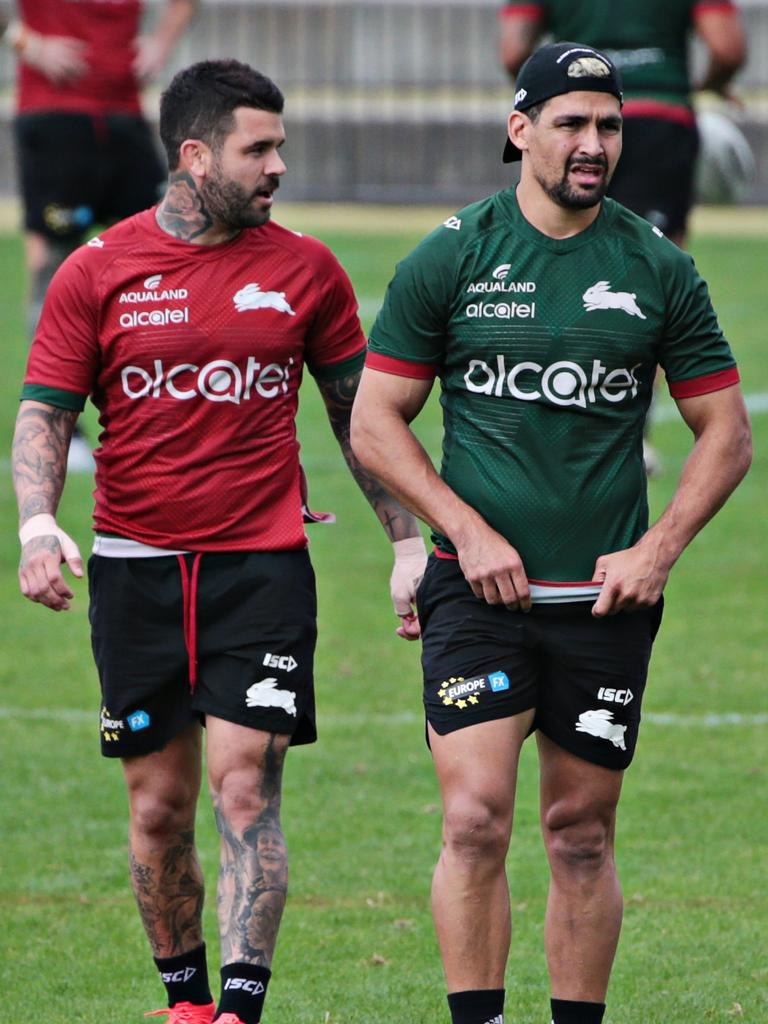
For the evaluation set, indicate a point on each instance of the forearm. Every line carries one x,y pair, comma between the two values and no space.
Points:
718,74
339,396
722,32
517,39
394,455
40,447
177,14
718,462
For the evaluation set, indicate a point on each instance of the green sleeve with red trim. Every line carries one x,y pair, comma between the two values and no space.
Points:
411,325
694,345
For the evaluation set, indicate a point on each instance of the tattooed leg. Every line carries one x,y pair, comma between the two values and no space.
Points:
165,872
245,768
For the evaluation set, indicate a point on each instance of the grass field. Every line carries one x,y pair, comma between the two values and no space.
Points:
360,809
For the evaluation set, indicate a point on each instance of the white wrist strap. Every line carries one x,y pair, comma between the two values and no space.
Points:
41,525
409,547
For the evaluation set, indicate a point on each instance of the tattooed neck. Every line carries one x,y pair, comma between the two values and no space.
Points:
183,213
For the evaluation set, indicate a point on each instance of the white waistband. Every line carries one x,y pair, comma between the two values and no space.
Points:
541,593
121,547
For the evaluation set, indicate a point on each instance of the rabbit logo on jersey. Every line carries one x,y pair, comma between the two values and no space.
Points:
600,296
562,383
251,296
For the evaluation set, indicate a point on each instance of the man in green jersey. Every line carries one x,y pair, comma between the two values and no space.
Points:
648,42
544,312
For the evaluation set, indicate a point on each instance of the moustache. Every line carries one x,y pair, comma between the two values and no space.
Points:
587,161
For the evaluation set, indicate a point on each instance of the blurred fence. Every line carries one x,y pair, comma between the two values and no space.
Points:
397,100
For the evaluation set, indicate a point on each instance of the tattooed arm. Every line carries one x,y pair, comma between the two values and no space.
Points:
400,525
40,447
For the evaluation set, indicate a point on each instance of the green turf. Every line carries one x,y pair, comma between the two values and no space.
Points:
360,806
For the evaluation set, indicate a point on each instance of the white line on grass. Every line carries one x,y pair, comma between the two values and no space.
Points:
711,720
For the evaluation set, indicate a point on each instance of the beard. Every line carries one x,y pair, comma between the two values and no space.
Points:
230,204
577,197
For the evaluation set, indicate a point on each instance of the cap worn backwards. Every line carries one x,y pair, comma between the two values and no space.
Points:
559,68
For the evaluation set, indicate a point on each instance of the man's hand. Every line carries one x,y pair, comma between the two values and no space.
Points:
45,546
60,58
493,569
631,579
407,573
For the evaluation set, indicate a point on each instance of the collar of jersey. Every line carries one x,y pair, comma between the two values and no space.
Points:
203,252
557,245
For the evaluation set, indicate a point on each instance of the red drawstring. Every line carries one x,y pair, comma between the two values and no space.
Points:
189,594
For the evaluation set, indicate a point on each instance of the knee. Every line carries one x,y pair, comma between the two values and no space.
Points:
579,840
475,833
239,800
160,816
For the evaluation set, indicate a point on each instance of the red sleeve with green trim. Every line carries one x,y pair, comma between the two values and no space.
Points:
64,357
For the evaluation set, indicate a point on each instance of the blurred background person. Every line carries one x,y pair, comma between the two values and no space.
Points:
85,153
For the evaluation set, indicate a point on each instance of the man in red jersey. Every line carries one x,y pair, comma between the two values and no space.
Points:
190,325
85,153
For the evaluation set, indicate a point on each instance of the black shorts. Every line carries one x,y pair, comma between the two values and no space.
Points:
655,174
584,676
256,632
77,170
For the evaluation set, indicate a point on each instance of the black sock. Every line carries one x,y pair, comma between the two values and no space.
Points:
243,991
567,1011
477,1006
185,977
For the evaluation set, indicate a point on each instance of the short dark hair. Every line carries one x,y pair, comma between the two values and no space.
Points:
534,112
200,101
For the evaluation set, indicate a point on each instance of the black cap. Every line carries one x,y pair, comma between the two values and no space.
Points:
558,68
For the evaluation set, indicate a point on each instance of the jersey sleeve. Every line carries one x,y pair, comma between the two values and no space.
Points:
695,355
705,6
64,357
335,342
409,335
525,9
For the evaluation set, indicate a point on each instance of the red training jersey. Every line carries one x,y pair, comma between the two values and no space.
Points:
193,355
109,29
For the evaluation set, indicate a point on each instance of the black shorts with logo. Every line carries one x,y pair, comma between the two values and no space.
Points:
584,676
255,641
654,176
77,170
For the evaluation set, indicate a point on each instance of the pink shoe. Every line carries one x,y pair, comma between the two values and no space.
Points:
228,1018
187,1013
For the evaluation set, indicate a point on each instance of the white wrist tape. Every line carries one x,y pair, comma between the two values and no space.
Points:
42,525
410,547
410,559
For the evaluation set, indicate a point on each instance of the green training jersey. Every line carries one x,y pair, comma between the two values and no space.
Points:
546,351
646,39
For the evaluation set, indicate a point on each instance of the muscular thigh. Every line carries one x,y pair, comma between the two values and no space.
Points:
593,679
477,659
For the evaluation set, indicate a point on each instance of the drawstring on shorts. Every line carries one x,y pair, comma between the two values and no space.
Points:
189,595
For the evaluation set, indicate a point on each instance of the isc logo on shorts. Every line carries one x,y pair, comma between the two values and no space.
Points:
285,661
615,696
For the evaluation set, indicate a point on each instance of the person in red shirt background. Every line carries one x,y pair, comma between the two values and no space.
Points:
85,153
